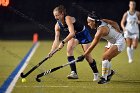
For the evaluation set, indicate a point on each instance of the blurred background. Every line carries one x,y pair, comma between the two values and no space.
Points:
22,18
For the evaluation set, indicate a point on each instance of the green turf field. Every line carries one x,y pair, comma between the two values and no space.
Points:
126,79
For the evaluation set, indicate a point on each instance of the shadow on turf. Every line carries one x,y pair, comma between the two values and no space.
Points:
127,81
83,81
117,81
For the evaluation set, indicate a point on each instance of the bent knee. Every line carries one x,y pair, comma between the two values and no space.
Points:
69,52
106,57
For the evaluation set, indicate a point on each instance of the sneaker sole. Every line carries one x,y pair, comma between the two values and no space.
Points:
103,83
71,78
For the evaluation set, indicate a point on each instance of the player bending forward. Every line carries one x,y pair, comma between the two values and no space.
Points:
110,31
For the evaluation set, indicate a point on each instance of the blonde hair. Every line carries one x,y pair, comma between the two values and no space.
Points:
60,9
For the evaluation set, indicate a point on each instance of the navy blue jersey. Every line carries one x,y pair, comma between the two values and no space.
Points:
81,32
77,26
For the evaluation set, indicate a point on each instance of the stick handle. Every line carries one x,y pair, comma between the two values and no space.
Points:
70,63
32,69
35,67
52,70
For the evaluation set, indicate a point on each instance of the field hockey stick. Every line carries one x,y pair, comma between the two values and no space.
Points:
36,66
52,70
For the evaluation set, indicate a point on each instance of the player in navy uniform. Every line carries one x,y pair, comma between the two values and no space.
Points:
78,34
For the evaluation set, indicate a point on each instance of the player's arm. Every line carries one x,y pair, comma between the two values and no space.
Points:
113,23
95,41
71,34
56,40
123,21
71,31
138,15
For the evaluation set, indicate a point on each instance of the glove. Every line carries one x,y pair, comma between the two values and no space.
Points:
80,58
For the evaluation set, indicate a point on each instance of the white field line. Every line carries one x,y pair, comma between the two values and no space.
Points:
11,86
76,87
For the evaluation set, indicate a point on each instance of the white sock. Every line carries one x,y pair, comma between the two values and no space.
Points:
129,53
105,68
109,72
132,51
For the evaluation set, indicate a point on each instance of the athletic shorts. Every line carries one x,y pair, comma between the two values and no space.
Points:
131,35
120,43
83,36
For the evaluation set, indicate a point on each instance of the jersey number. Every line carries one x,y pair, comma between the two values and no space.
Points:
4,2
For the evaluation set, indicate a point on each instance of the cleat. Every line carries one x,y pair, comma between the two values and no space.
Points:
110,76
102,81
72,75
96,76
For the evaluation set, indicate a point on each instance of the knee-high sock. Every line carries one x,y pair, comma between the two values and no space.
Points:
109,72
130,53
72,66
93,66
105,68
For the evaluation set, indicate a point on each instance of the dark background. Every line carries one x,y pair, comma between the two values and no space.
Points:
22,18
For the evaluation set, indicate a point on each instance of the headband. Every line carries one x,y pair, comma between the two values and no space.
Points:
91,18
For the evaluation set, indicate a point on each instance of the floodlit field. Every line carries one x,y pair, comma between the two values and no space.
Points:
126,79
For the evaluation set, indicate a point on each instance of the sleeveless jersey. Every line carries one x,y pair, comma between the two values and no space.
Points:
131,25
113,35
81,32
77,26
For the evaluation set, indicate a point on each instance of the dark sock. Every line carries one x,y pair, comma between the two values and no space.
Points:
72,66
93,66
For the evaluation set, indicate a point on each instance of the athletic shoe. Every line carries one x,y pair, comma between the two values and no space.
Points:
102,81
96,76
110,76
72,75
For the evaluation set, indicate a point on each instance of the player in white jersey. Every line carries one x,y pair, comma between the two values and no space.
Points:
131,29
110,31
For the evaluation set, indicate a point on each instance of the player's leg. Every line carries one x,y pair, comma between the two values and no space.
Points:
129,49
106,65
70,48
133,46
91,62
135,43
106,49
109,71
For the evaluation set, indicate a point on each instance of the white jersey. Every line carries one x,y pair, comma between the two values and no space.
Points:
114,37
131,25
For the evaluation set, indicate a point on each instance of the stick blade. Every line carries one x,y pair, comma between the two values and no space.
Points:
22,75
38,80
